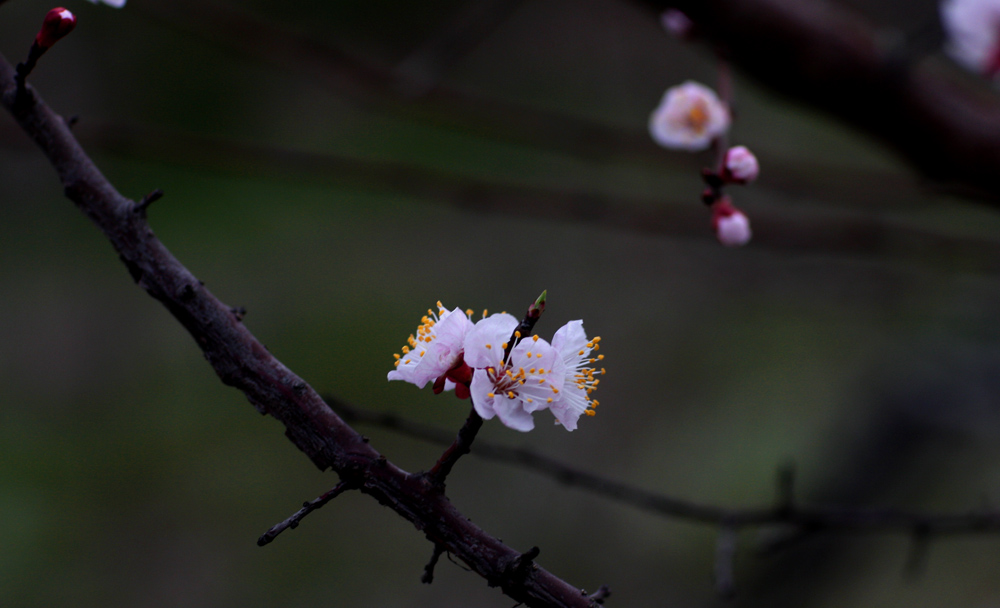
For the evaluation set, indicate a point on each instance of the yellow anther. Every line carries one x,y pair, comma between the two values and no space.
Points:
597,338
510,394
490,395
484,313
504,346
590,412
396,355
517,334
549,400
600,357
529,355
406,350
594,403
541,380
554,389
468,312
530,400
581,353
423,352
602,370
396,363
440,307
489,346
541,370
530,371
535,337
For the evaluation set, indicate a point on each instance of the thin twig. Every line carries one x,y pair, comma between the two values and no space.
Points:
428,576
307,508
725,561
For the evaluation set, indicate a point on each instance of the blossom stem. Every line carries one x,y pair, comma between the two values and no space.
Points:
460,447
24,68
725,87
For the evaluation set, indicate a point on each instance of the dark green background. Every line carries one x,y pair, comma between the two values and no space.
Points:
130,476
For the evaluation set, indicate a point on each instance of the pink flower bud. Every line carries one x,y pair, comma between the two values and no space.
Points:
677,23
58,22
731,226
740,166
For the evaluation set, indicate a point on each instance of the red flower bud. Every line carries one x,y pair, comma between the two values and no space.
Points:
58,22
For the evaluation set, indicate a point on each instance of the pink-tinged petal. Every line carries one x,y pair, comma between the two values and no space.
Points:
480,391
570,406
484,342
513,415
569,340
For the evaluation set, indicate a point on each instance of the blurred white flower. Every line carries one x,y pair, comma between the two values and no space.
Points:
972,30
740,165
689,117
114,3
435,350
676,23
732,227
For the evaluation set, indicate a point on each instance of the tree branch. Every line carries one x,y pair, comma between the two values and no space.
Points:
785,511
241,361
820,53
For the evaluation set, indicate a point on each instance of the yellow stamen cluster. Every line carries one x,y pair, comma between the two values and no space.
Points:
424,336
584,376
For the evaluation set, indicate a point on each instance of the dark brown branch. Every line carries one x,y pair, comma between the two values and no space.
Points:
307,508
241,361
784,513
818,52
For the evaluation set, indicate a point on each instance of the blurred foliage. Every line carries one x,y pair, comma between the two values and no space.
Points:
129,475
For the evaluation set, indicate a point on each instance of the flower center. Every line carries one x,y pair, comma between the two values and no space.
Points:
697,116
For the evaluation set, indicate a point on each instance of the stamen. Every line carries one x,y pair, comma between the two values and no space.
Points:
510,394
490,395
517,334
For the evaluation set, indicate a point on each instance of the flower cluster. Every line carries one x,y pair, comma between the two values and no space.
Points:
506,375
691,117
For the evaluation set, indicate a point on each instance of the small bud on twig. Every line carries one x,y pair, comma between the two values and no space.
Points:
57,24
740,166
731,225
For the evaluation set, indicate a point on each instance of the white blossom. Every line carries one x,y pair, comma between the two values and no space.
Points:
435,349
689,117
534,377
972,29
571,342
